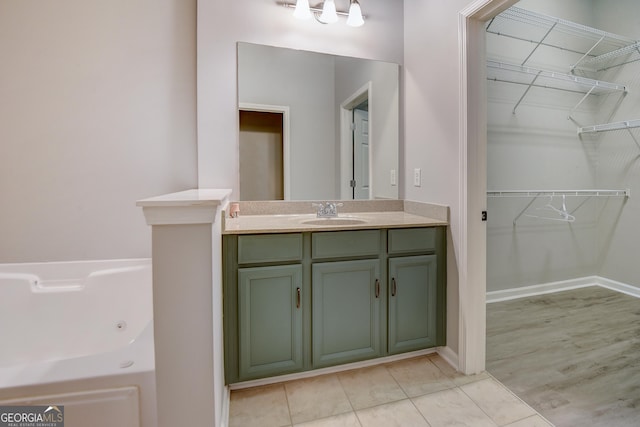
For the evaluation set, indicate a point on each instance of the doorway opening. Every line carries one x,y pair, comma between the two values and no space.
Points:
355,145
264,152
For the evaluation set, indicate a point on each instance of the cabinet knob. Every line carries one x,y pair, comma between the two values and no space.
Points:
393,287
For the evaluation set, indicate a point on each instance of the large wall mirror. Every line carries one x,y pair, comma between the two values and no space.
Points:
316,126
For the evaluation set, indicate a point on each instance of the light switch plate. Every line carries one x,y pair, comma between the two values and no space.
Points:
417,177
392,177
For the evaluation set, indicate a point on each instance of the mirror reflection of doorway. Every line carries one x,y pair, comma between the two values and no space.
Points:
261,155
355,145
360,151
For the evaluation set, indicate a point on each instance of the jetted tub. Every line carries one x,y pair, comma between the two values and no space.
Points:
79,334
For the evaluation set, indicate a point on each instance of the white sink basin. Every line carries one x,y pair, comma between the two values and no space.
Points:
334,221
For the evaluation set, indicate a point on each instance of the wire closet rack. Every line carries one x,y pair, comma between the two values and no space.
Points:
597,50
536,194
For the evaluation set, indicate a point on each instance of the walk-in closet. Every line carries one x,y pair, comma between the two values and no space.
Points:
563,200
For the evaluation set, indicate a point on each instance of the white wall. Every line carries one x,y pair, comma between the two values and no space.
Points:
431,131
538,148
97,111
619,165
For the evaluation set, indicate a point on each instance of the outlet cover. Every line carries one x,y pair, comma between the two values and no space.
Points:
417,177
392,177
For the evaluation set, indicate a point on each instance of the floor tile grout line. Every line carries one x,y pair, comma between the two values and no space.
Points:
286,396
345,393
520,399
326,376
419,411
327,417
480,407
380,404
386,368
510,392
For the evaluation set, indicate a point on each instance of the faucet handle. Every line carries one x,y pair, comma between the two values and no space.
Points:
320,208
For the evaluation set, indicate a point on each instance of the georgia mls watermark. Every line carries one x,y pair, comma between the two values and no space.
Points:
31,416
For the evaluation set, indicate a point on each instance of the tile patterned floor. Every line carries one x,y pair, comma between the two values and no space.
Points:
418,392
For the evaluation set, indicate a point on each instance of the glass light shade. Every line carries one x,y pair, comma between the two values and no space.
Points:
355,15
329,14
302,10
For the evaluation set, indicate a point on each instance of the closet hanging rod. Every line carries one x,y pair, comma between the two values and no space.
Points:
627,124
566,78
568,193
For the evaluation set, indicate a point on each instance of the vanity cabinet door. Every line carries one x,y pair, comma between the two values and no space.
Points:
412,317
269,320
345,311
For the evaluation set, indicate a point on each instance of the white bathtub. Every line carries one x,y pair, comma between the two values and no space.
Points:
79,334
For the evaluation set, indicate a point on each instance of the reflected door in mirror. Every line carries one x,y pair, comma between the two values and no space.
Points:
360,154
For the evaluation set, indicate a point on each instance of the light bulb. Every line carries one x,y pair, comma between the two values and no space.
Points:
329,14
355,15
302,10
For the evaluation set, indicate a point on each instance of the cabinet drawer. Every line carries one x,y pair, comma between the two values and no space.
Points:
340,244
403,240
269,248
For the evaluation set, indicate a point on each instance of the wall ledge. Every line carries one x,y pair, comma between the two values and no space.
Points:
195,206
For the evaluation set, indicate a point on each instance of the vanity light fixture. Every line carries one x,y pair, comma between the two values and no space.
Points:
326,12
355,15
329,14
302,10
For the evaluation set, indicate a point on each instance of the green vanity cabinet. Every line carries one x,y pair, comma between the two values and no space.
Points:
295,302
346,311
269,320
263,308
412,303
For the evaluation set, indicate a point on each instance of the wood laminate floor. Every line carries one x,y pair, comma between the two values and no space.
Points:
574,356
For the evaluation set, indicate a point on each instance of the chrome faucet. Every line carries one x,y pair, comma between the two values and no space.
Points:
326,209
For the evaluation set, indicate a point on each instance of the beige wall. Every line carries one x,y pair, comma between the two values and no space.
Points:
98,110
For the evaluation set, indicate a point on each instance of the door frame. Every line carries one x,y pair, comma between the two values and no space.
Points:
346,136
286,142
473,182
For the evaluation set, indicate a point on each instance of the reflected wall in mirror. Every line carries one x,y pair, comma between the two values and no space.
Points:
327,126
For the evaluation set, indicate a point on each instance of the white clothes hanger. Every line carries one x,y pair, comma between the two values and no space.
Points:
553,213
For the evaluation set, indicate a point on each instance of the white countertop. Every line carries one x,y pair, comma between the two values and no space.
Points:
250,224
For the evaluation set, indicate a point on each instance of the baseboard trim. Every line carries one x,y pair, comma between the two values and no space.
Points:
331,370
226,402
450,356
564,285
619,286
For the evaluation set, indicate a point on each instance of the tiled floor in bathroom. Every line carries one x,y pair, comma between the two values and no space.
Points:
419,392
